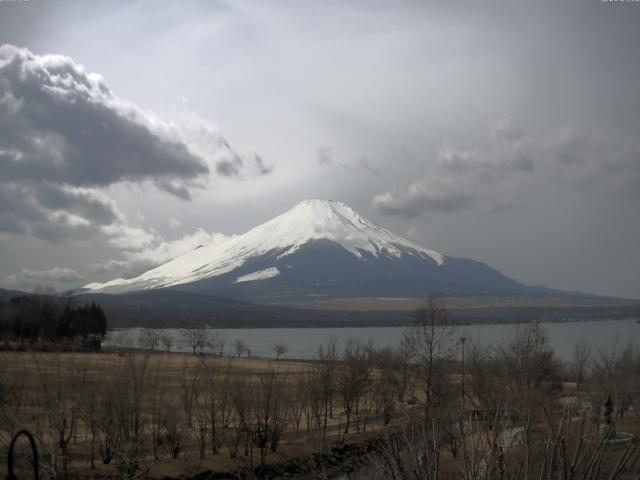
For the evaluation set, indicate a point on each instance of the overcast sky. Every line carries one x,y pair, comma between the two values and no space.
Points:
507,132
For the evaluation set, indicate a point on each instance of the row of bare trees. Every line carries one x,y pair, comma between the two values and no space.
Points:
199,341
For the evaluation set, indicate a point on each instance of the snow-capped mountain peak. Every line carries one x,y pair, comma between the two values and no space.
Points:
309,221
330,220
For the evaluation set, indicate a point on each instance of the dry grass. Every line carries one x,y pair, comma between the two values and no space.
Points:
37,375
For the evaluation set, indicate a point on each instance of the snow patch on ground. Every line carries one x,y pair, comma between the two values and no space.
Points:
259,275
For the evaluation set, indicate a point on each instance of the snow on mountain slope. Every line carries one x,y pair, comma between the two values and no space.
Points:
308,221
260,275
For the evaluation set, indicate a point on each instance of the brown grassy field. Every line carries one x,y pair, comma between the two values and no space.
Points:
171,394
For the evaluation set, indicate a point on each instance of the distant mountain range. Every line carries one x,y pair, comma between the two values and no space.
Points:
321,250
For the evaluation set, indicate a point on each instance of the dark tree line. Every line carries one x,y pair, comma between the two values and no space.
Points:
50,319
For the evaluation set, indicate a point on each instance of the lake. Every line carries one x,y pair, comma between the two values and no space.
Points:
304,342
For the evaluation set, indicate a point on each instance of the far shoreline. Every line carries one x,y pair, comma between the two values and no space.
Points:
399,325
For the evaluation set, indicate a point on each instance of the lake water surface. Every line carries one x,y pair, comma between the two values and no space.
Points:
304,342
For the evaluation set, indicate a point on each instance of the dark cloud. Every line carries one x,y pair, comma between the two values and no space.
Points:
65,138
231,164
177,189
596,161
230,167
61,124
17,208
53,212
324,155
462,179
82,203
262,167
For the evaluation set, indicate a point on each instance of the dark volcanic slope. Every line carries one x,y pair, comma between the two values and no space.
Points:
325,269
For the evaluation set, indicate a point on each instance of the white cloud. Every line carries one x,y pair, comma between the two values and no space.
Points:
143,256
27,278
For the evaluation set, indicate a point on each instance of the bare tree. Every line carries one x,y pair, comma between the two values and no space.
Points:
579,362
195,338
216,343
387,385
215,394
156,407
239,347
174,435
62,409
489,376
149,339
241,433
90,417
167,342
404,355
221,394
189,382
414,453
269,413
299,400
432,339
618,375
315,394
201,407
529,356
11,404
279,349
125,422
353,376
323,387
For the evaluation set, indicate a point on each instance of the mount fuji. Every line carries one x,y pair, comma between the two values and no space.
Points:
319,249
